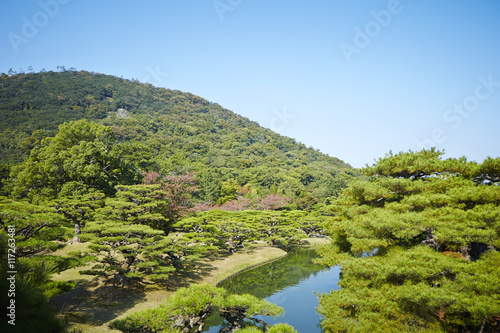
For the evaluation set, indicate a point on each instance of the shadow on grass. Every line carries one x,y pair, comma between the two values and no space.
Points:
197,271
184,277
95,303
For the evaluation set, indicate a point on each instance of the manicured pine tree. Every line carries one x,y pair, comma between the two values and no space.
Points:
36,228
78,210
188,308
227,234
128,235
417,245
234,230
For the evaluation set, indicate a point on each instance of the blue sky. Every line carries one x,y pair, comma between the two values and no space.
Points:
353,79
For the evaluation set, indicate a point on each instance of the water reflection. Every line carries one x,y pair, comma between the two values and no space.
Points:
290,283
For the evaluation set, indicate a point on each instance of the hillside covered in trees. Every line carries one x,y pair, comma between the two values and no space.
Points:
166,131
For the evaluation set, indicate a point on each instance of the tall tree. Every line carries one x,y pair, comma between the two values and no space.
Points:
79,159
417,245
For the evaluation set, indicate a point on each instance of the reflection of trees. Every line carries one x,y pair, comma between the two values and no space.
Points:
264,281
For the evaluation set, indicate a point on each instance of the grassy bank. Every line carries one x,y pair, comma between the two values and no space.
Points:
91,305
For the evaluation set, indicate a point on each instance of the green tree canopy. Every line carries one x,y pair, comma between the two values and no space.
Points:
78,210
79,159
235,230
417,245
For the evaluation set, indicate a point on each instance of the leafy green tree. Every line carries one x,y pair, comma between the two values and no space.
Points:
307,202
229,190
80,156
210,182
4,175
417,246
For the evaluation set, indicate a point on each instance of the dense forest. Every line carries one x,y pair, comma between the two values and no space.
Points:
166,131
136,189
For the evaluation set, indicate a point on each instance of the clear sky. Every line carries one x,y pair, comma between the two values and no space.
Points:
354,79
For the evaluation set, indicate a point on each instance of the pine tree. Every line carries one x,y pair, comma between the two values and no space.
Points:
78,210
126,236
235,230
32,312
188,308
36,228
417,245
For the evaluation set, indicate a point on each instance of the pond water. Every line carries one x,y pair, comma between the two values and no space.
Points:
289,282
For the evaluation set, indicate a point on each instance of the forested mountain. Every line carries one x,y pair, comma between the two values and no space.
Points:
166,131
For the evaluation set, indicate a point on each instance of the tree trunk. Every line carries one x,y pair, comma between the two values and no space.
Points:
76,239
482,325
128,262
119,281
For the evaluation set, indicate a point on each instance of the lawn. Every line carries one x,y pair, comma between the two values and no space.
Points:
91,305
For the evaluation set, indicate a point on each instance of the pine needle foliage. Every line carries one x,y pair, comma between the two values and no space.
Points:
187,310
127,238
418,247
